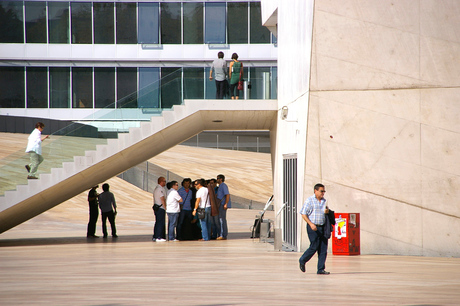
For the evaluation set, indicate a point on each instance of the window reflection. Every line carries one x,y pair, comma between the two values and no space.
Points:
148,23
149,87
37,87
11,22
12,87
59,87
126,23
238,23
194,83
259,33
58,22
35,22
171,23
193,23
82,87
126,87
103,23
81,23
104,87
215,23
171,87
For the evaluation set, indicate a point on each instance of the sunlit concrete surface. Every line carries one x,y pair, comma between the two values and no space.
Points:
48,261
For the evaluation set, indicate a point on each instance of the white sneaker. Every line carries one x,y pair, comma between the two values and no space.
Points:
161,240
174,240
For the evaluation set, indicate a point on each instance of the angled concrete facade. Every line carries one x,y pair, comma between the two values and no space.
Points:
372,90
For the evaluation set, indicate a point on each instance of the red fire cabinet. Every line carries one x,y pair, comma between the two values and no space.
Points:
345,236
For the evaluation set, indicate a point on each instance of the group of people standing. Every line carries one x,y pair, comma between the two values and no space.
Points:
181,206
234,73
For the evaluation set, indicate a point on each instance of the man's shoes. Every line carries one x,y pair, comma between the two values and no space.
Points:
29,177
105,236
161,240
115,236
221,238
92,236
324,272
175,240
302,267
27,168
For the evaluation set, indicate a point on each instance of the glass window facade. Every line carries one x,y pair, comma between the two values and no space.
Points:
194,83
59,87
11,22
171,23
82,23
12,91
126,87
37,87
193,23
82,87
171,87
104,87
215,23
35,22
237,22
259,33
58,22
103,23
149,87
149,20
126,23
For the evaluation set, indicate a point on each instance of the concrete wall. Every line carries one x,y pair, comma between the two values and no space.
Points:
383,104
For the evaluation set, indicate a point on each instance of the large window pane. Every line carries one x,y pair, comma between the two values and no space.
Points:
126,87
12,87
170,23
149,88
104,87
103,23
170,87
259,33
37,87
11,22
148,23
126,23
215,23
82,87
193,23
81,23
210,91
193,83
58,22
59,87
238,23
36,22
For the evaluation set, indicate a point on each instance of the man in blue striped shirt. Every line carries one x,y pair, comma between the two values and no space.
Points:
314,212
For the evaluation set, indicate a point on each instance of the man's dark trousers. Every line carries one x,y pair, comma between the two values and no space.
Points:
159,228
111,216
93,215
220,89
318,243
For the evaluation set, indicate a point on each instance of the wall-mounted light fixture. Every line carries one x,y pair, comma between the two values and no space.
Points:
284,113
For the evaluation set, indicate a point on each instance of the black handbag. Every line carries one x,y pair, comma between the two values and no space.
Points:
200,212
156,207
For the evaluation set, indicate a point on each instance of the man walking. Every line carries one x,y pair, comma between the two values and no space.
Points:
93,212
314,211
108,210
219,66
223,195
34,148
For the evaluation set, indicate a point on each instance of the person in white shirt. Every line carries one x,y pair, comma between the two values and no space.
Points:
202,201
159,205
173,210
34,148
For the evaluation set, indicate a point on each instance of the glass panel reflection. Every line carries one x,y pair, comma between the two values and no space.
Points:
171,87
81,23
193,83
59,87
11,22
149,87
12,94
238,23
103,23
104,87
37,87
35,22
259,33
58,22
126,87
171,23
126,23
193,23
215,23
148,23
82,87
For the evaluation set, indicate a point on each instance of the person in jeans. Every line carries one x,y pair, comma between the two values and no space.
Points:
219,66
108,208
34,148
223,195
173,210
202,201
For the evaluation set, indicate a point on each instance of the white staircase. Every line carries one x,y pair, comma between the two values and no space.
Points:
130,149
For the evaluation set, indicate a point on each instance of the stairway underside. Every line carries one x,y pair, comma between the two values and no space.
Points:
130,149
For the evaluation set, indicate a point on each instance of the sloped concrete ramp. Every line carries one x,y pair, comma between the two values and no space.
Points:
130,149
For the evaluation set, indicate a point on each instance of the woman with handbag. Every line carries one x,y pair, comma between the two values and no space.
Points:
203,209
236,76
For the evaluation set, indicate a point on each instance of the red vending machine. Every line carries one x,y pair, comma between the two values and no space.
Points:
345,237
